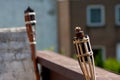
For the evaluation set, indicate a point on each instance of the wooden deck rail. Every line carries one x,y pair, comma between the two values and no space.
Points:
58,67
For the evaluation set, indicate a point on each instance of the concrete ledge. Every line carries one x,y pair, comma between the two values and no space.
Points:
14,29
68,68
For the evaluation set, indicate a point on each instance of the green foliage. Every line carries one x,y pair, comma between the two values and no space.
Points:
62,52
98,59
74,56
112,65
50,49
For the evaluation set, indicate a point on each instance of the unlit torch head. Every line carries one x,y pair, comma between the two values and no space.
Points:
30,16
79,33
30,22
83,42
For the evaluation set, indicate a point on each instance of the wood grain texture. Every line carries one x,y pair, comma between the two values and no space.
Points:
69,68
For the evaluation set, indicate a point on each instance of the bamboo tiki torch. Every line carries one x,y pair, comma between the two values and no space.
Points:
84,54
31,32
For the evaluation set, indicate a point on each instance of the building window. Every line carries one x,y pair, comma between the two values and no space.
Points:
118,51
95,15
99,55
117,14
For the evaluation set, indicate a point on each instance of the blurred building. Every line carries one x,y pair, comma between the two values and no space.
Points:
100,19
56,20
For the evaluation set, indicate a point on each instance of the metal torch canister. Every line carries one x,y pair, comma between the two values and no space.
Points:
84,54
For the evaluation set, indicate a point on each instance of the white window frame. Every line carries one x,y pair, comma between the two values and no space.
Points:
103,50
89,23
117,22
118,51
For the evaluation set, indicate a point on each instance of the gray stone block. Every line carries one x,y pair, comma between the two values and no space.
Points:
8,56
24,75
20,56
1,59
28,65
16,44
14,66
2,68
4,37
4,51
7,76
4,45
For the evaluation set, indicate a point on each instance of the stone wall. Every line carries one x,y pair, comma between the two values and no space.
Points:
15,56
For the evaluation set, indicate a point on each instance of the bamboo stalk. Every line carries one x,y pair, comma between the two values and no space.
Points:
93,62
89,63
88,76
80,62
31,36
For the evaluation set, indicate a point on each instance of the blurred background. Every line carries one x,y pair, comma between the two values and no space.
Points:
56,20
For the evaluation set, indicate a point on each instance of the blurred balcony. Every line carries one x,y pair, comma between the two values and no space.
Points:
58,67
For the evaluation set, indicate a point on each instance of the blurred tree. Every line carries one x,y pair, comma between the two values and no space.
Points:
112,65
98,57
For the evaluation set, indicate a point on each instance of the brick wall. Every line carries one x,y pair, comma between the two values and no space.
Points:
15,56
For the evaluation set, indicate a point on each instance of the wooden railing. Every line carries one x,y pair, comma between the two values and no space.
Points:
58,67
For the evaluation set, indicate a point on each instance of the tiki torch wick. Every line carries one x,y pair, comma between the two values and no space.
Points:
79,33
